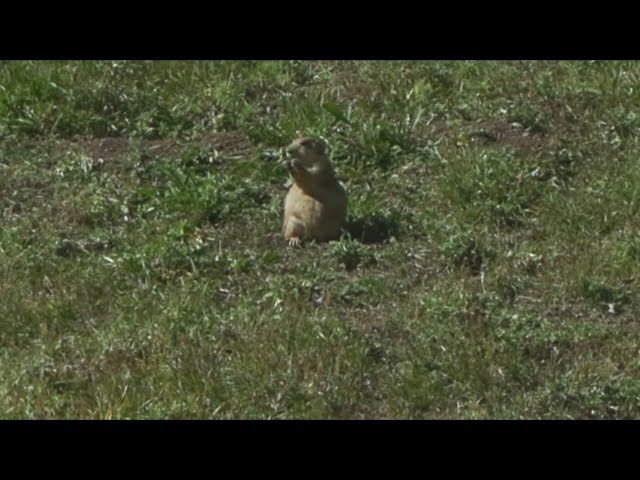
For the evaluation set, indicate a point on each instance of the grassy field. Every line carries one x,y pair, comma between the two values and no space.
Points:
489,269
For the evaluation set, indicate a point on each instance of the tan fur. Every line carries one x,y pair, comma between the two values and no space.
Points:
316,205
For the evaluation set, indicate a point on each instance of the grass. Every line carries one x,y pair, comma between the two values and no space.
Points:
489,267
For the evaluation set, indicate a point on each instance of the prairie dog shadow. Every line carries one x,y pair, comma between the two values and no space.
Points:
375,228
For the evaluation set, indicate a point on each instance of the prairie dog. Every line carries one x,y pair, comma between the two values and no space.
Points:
316,205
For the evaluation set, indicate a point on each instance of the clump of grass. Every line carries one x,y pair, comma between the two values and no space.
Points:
602,294
494,186
351,254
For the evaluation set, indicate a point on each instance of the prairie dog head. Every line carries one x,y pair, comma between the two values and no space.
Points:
309,153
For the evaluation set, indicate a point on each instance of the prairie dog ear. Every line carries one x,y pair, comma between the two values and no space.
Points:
316,144
320,146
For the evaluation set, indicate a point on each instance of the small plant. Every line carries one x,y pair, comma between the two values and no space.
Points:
530,119
368,288
351,254
602,294
466,251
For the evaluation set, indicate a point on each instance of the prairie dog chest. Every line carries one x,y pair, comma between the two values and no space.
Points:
300,203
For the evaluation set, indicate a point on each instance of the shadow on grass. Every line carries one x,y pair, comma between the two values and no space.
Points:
375,228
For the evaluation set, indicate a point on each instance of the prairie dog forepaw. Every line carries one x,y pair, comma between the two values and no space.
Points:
292,166
295,242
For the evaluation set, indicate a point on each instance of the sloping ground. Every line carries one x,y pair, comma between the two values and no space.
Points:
489,267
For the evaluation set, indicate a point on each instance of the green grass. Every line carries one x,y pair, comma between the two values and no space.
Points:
489,267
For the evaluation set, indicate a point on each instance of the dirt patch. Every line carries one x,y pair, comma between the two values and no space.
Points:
222,143
110,150
113,151
485,133
227,143
500,133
